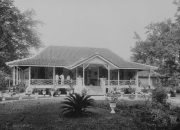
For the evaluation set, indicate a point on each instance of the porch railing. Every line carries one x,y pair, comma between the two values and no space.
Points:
74,82
51,82
41,82
121,82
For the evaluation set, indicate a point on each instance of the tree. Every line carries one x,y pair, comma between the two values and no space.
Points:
160,48
17,33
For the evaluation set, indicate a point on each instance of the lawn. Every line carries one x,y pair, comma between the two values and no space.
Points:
46,114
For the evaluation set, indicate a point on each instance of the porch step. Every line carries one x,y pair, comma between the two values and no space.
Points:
94,90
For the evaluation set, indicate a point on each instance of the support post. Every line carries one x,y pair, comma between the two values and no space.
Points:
108,75
137,79
17,75
76,73
83,75
118,77
14,76
98,76
149,78
54,77
29,76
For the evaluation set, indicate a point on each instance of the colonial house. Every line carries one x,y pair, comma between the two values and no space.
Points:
93,68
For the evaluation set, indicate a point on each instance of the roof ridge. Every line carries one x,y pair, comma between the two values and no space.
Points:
88,47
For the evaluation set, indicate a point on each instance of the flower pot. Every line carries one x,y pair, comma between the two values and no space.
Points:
20,97
52,93
112,106
3,98
44,92
169,95
59,93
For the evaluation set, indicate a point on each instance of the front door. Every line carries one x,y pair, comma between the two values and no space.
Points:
92,76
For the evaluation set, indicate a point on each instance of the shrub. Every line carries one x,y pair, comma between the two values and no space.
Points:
178,90
153,116
144,90
35,90
159,95
129,90
76,104
172,93
154,119
20,87
3,81
84,91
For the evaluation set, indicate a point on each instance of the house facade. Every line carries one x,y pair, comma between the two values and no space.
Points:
96,69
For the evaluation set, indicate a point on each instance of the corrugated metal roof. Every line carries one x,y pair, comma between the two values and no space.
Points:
64,56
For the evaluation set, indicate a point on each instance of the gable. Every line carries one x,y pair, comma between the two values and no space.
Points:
96,60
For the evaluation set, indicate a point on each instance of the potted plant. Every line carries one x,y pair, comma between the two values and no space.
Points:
3,97
36,92
44,92
18,92
52,92
169,95
112,97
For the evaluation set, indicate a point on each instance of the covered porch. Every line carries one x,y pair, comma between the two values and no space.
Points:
93,73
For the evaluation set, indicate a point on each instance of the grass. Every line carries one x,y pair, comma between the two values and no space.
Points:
46,114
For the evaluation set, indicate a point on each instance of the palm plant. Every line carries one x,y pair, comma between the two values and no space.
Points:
76,104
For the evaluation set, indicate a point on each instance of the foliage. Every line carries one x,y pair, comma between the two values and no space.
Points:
17,33
129,90
84,91
159,95
4,81
161,48
44,114
35,90
112,95
76,104
149,118
172,93
20,88
178,90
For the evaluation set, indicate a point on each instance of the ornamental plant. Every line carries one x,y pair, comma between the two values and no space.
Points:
76,105
112,96
159,95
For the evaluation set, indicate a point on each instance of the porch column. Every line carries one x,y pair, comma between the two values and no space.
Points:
14,76
54,75
108,75
137,79
83,75
29,76
17,76
98,76
118,77
149,78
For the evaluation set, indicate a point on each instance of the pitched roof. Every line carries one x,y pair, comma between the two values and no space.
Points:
64,56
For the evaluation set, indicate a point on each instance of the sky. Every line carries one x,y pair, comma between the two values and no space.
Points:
97,23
